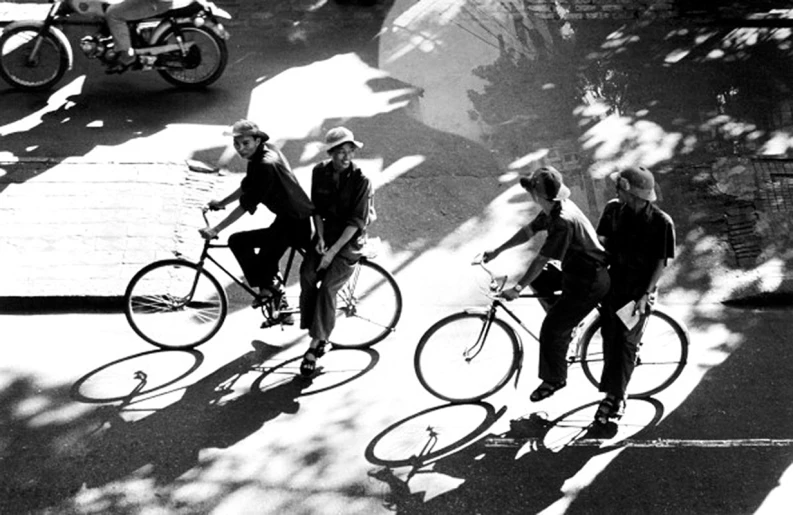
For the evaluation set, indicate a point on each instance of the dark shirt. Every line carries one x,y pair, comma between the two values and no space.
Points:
269,180
636,241
342,199
571,239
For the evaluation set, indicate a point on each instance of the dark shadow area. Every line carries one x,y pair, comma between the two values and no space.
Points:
494,479
60,305
148,426
744,400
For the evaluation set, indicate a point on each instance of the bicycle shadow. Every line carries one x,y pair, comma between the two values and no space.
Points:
523,470
211,413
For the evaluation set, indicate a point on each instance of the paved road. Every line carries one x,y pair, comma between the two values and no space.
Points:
227,429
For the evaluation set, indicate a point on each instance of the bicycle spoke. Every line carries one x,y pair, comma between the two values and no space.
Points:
175,304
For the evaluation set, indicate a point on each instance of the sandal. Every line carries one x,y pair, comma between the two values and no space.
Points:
309,364
610,408
545,390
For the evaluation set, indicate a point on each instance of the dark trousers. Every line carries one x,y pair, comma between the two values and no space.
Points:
580,295
318,292
619,343
259,251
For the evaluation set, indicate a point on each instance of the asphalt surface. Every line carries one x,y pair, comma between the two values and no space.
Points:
94,185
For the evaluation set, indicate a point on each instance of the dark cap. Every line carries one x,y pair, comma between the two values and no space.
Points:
547,183
247,128
638,181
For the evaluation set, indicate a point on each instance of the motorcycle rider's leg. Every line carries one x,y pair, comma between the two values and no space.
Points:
117,16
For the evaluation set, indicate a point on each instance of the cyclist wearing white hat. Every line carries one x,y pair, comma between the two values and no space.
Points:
342,195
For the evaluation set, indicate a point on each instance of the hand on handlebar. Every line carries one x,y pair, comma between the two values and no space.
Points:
214,205
489,255
510,294
208,233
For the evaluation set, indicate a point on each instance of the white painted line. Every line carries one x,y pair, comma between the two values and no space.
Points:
660,443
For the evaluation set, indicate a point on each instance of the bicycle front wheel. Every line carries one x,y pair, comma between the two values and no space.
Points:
174,305
430,434
660,360
368,307
466,357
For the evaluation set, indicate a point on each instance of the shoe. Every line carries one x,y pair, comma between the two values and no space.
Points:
284,317
610,408
545,390
122,63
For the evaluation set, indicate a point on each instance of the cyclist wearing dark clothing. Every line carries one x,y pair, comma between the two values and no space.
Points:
571,239
269,181
640,239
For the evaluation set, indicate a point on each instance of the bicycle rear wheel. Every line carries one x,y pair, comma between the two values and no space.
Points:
466,357
368,307
660,361
174,305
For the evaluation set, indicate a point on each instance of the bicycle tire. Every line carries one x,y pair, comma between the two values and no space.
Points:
157,308
368,307
410,440
661,358
445,368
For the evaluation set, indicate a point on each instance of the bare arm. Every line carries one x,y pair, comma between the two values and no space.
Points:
522,236
211,232
647,300
534,270
220,204
334,249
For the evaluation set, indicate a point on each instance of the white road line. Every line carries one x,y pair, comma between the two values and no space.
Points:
660,443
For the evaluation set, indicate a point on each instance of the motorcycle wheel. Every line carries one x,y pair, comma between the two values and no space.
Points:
204,63
26,71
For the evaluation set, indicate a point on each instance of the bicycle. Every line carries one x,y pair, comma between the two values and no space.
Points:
179,304
472,354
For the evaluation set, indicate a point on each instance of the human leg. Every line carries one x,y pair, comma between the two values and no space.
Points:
243,245
335,276
308,287
118,14
579,297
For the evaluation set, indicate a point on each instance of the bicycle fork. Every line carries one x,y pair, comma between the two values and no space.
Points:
477,347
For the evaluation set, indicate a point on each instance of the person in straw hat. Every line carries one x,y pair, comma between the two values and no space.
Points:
640,240
343,198
268,181
571,240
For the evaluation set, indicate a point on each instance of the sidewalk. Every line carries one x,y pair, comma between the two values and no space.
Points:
80,228
10,12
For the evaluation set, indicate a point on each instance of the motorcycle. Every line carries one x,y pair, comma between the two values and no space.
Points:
185,45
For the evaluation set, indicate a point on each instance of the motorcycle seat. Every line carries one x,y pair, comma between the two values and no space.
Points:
183,12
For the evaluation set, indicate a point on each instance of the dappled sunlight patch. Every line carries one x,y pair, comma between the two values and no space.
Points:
619,141
779,143
350,95
167,145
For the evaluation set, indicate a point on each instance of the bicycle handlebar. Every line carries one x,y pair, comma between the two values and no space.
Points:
497,283
204,210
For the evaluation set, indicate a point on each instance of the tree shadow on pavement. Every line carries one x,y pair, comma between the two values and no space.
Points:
45,465
738,423
523,470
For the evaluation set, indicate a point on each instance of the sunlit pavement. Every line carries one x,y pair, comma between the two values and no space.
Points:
227,429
